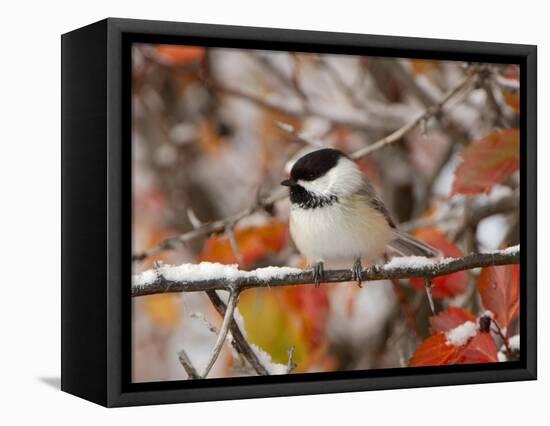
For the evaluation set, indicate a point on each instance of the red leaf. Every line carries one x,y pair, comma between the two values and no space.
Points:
499,290
313,307
481,348
448,285
487,162
434,351
449,319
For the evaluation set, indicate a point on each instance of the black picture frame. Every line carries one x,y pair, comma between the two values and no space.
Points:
96,211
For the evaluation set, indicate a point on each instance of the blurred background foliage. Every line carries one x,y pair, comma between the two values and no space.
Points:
214,129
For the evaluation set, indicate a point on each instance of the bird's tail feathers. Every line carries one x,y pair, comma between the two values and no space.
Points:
406,245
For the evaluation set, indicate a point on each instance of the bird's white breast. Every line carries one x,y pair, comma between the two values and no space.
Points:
343,230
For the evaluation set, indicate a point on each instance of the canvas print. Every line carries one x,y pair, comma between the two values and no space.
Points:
297,212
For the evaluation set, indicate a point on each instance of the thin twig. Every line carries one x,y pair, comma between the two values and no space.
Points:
428,286
504,338
293,134
146,283
188,366
428,113
234,244
239,341
228,317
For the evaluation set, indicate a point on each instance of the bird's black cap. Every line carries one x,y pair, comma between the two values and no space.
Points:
315,164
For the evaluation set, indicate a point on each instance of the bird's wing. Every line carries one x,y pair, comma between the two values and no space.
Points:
368,193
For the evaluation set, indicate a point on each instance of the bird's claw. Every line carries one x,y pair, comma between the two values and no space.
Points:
318,273
356,271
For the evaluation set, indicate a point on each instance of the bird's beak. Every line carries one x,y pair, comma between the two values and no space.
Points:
288,182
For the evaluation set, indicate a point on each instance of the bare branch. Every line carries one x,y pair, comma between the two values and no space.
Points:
234,244
428,113
239,341
292,133
154,281
228,317
428,284
186,363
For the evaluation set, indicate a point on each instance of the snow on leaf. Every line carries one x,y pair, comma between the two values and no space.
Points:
487,162
449,319
499,290
459,336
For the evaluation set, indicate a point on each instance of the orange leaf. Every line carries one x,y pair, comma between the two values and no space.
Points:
499,290
164,309
254,243
449,319
448,285
434,351
487,162
175,54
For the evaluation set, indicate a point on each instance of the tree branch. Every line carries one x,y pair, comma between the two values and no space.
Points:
187,365
228,317
201,277
427,114
239,342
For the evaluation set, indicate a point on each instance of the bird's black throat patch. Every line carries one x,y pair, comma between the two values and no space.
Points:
308,200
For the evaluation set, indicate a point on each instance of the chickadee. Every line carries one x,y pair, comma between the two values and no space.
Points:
336,214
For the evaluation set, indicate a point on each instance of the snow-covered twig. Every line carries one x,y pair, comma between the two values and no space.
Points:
282,193
214,276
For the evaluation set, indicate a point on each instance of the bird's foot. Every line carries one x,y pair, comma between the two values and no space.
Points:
356,271
318,273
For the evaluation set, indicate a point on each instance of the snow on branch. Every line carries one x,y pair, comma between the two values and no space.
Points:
214,276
